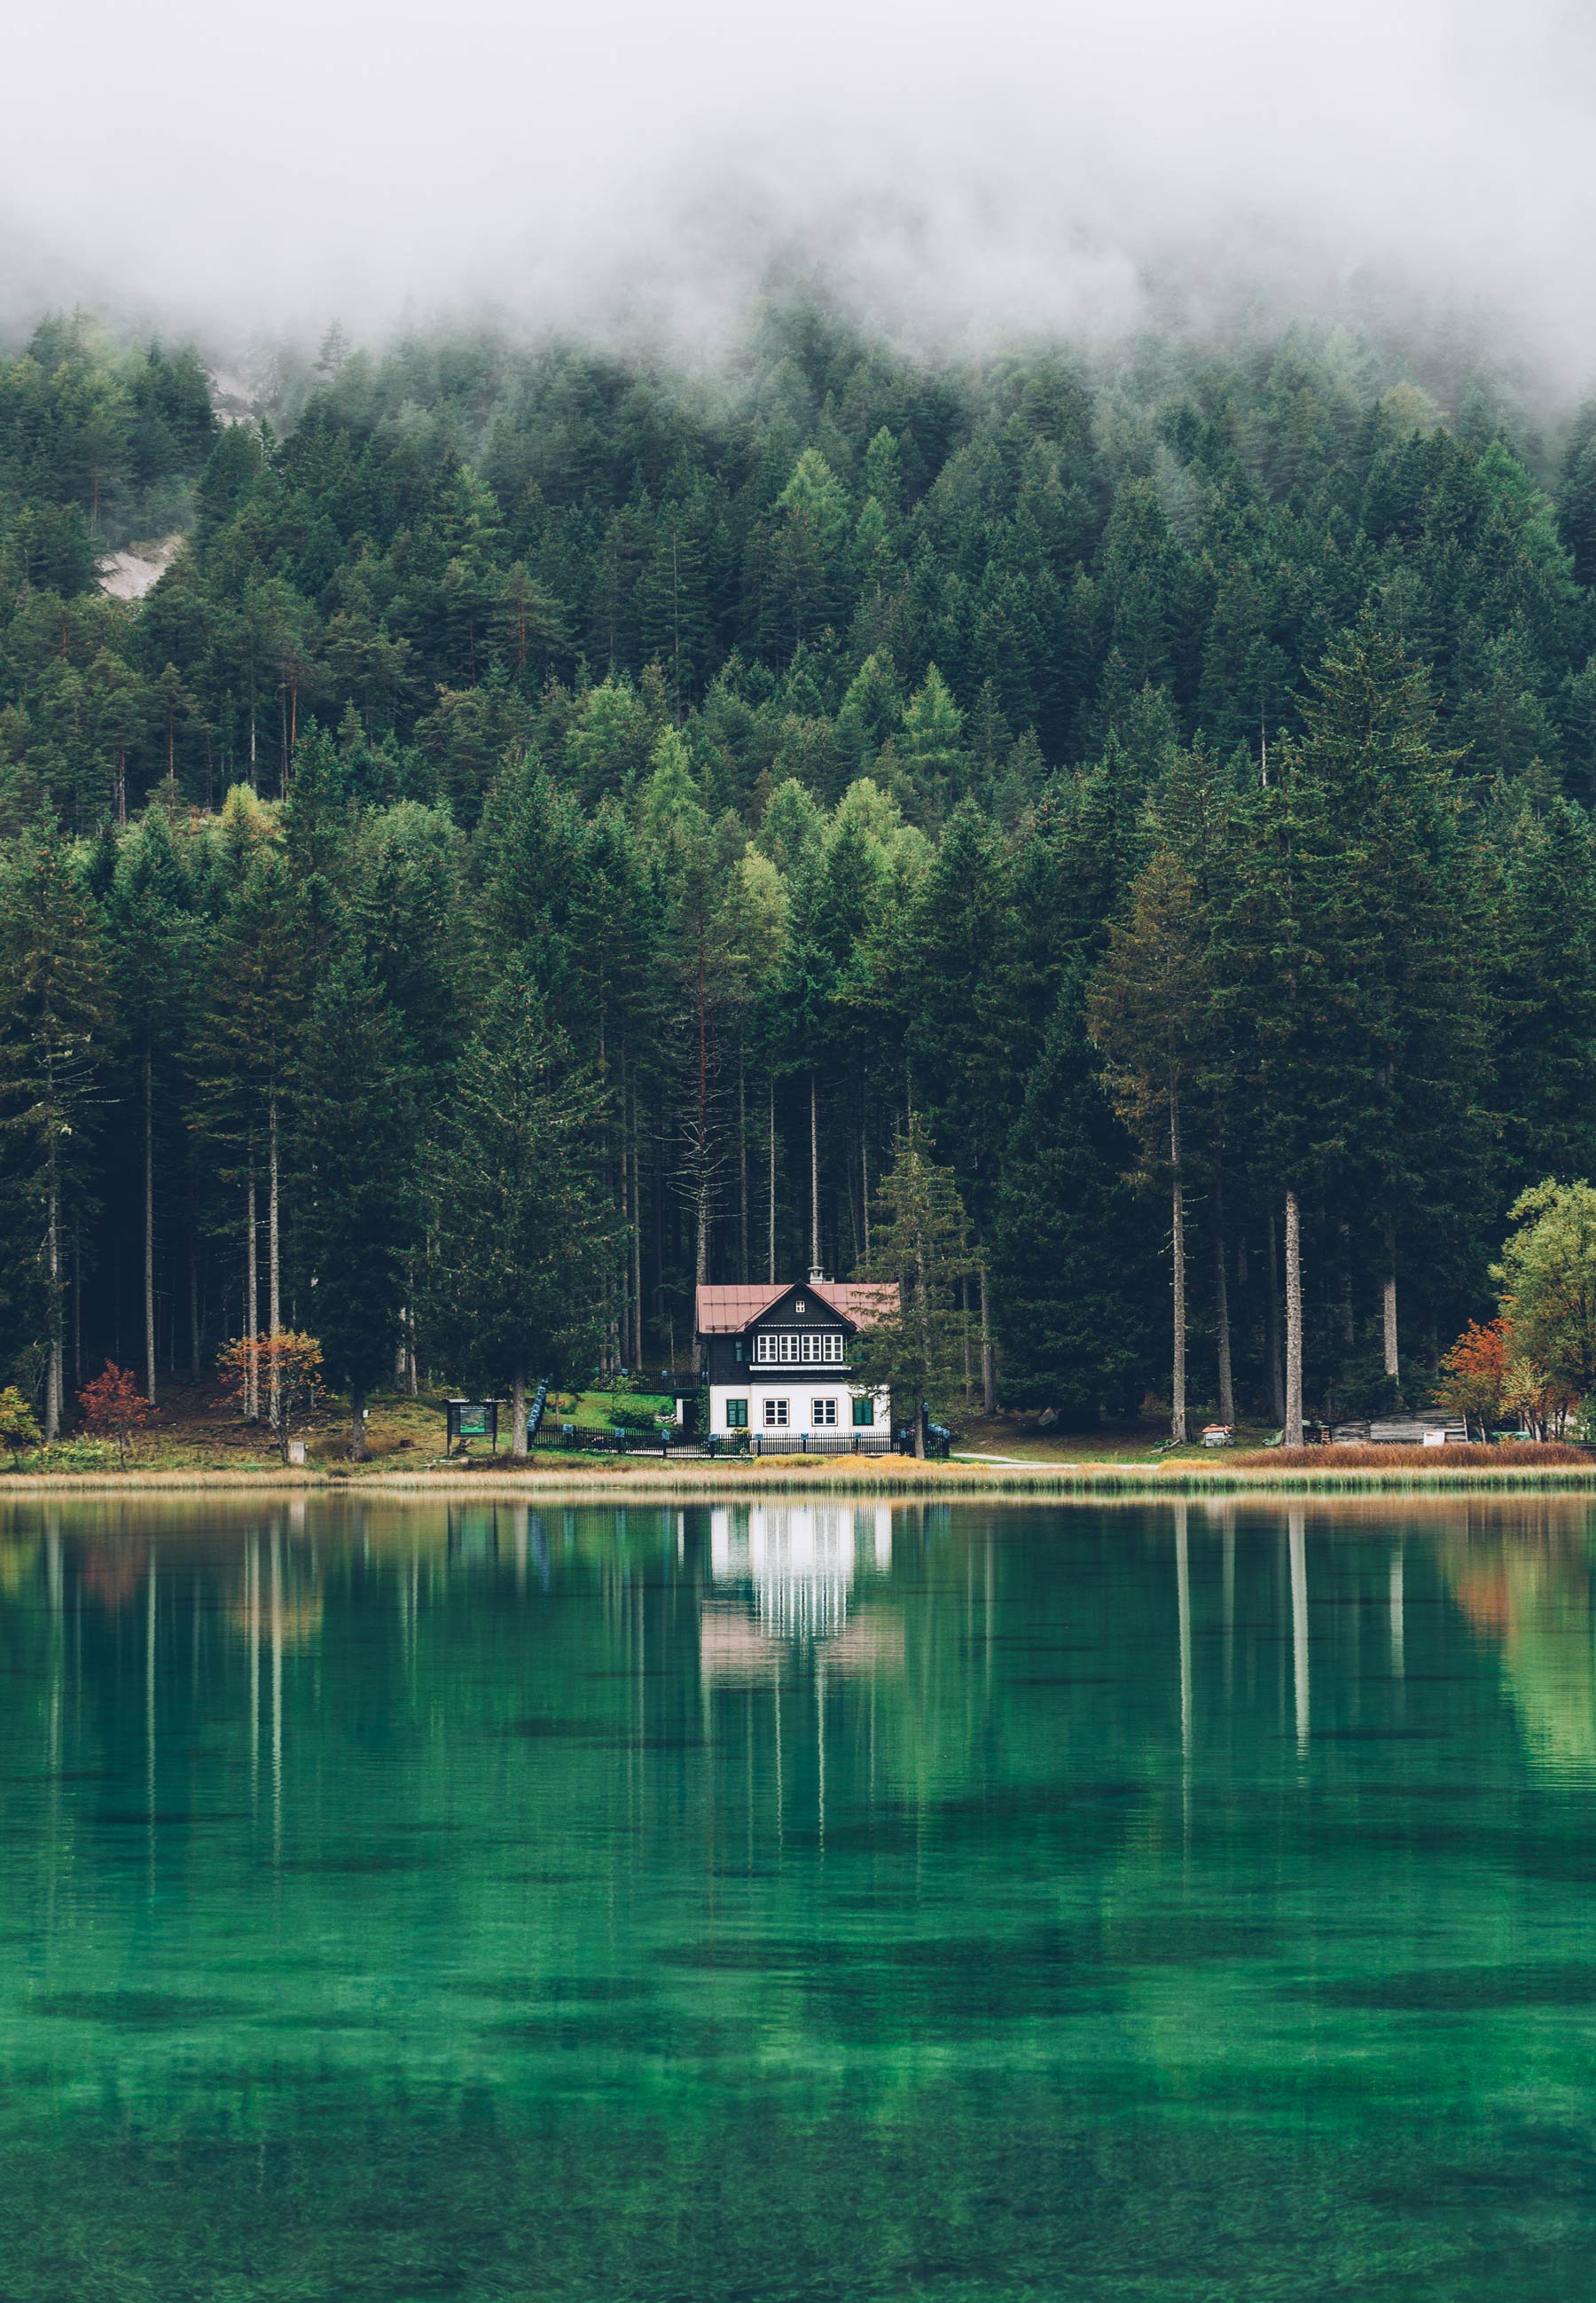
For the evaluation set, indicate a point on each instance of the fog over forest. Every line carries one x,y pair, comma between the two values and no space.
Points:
953,176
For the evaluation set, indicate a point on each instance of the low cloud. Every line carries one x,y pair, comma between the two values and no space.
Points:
951,172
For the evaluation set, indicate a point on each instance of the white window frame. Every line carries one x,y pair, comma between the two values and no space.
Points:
790,1347
776,1414
822,1415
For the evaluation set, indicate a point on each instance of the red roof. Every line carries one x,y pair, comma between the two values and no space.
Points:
727,1310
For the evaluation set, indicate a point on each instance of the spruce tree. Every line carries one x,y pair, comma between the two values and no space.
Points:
57,1014
1151,1013
524,1235
1077,1272
356,1115
153,937
920,1250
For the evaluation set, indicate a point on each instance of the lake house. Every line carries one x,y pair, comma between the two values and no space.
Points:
777,1360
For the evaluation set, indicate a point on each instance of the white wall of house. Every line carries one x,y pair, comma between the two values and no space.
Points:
800,1404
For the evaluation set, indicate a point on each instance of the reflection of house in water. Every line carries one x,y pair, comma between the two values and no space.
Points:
799,1566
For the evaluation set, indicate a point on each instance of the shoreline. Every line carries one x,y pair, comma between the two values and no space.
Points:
625,1478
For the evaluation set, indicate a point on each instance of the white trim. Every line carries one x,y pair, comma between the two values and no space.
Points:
801,1347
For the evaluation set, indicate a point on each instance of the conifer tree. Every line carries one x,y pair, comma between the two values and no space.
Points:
964,1022
152,936
920,1247
355,1108
1076,1273
1150,1010
57,1012
524,1235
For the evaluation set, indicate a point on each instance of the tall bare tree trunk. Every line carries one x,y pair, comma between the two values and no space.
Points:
700,1257
357,1426
1178,1426
1387,1304
964,1308
55,1370
742,1166
518,1410
636,1245
274,1256
1349,1318
1277,1372
814,1177
150,1235
251,1298
771,1273
1294,1322
1221,1315
988,1364
193,1303
865,1183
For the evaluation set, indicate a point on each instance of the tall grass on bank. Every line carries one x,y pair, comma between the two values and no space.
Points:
1315,1472
1537,1455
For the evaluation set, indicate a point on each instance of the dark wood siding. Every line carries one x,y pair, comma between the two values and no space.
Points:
721,1364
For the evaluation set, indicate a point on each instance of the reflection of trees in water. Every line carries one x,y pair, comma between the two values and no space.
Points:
905,1762
1523,1577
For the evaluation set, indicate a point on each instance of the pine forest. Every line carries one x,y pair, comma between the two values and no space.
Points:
563,827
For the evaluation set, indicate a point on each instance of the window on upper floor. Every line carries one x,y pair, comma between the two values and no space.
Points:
814,1347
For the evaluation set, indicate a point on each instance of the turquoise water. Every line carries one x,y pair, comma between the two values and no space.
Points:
969,1902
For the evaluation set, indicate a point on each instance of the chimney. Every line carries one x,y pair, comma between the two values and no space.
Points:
817,1277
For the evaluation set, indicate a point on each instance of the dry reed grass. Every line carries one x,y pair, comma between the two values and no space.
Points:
1510,1455
1276,1471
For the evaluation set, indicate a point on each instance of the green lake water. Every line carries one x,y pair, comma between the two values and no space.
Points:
832,1902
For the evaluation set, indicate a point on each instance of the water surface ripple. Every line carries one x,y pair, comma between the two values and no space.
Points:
963,1902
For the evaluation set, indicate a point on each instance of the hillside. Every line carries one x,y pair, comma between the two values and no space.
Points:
688,780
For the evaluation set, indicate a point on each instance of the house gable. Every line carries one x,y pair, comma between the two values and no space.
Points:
802,1331
798,1307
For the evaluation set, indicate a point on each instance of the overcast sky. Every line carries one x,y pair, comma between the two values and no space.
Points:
976,167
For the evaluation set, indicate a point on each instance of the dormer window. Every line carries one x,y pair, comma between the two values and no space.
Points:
800,1307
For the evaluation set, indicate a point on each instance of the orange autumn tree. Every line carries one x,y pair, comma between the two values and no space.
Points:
1474,1381
284,1366
113,1406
